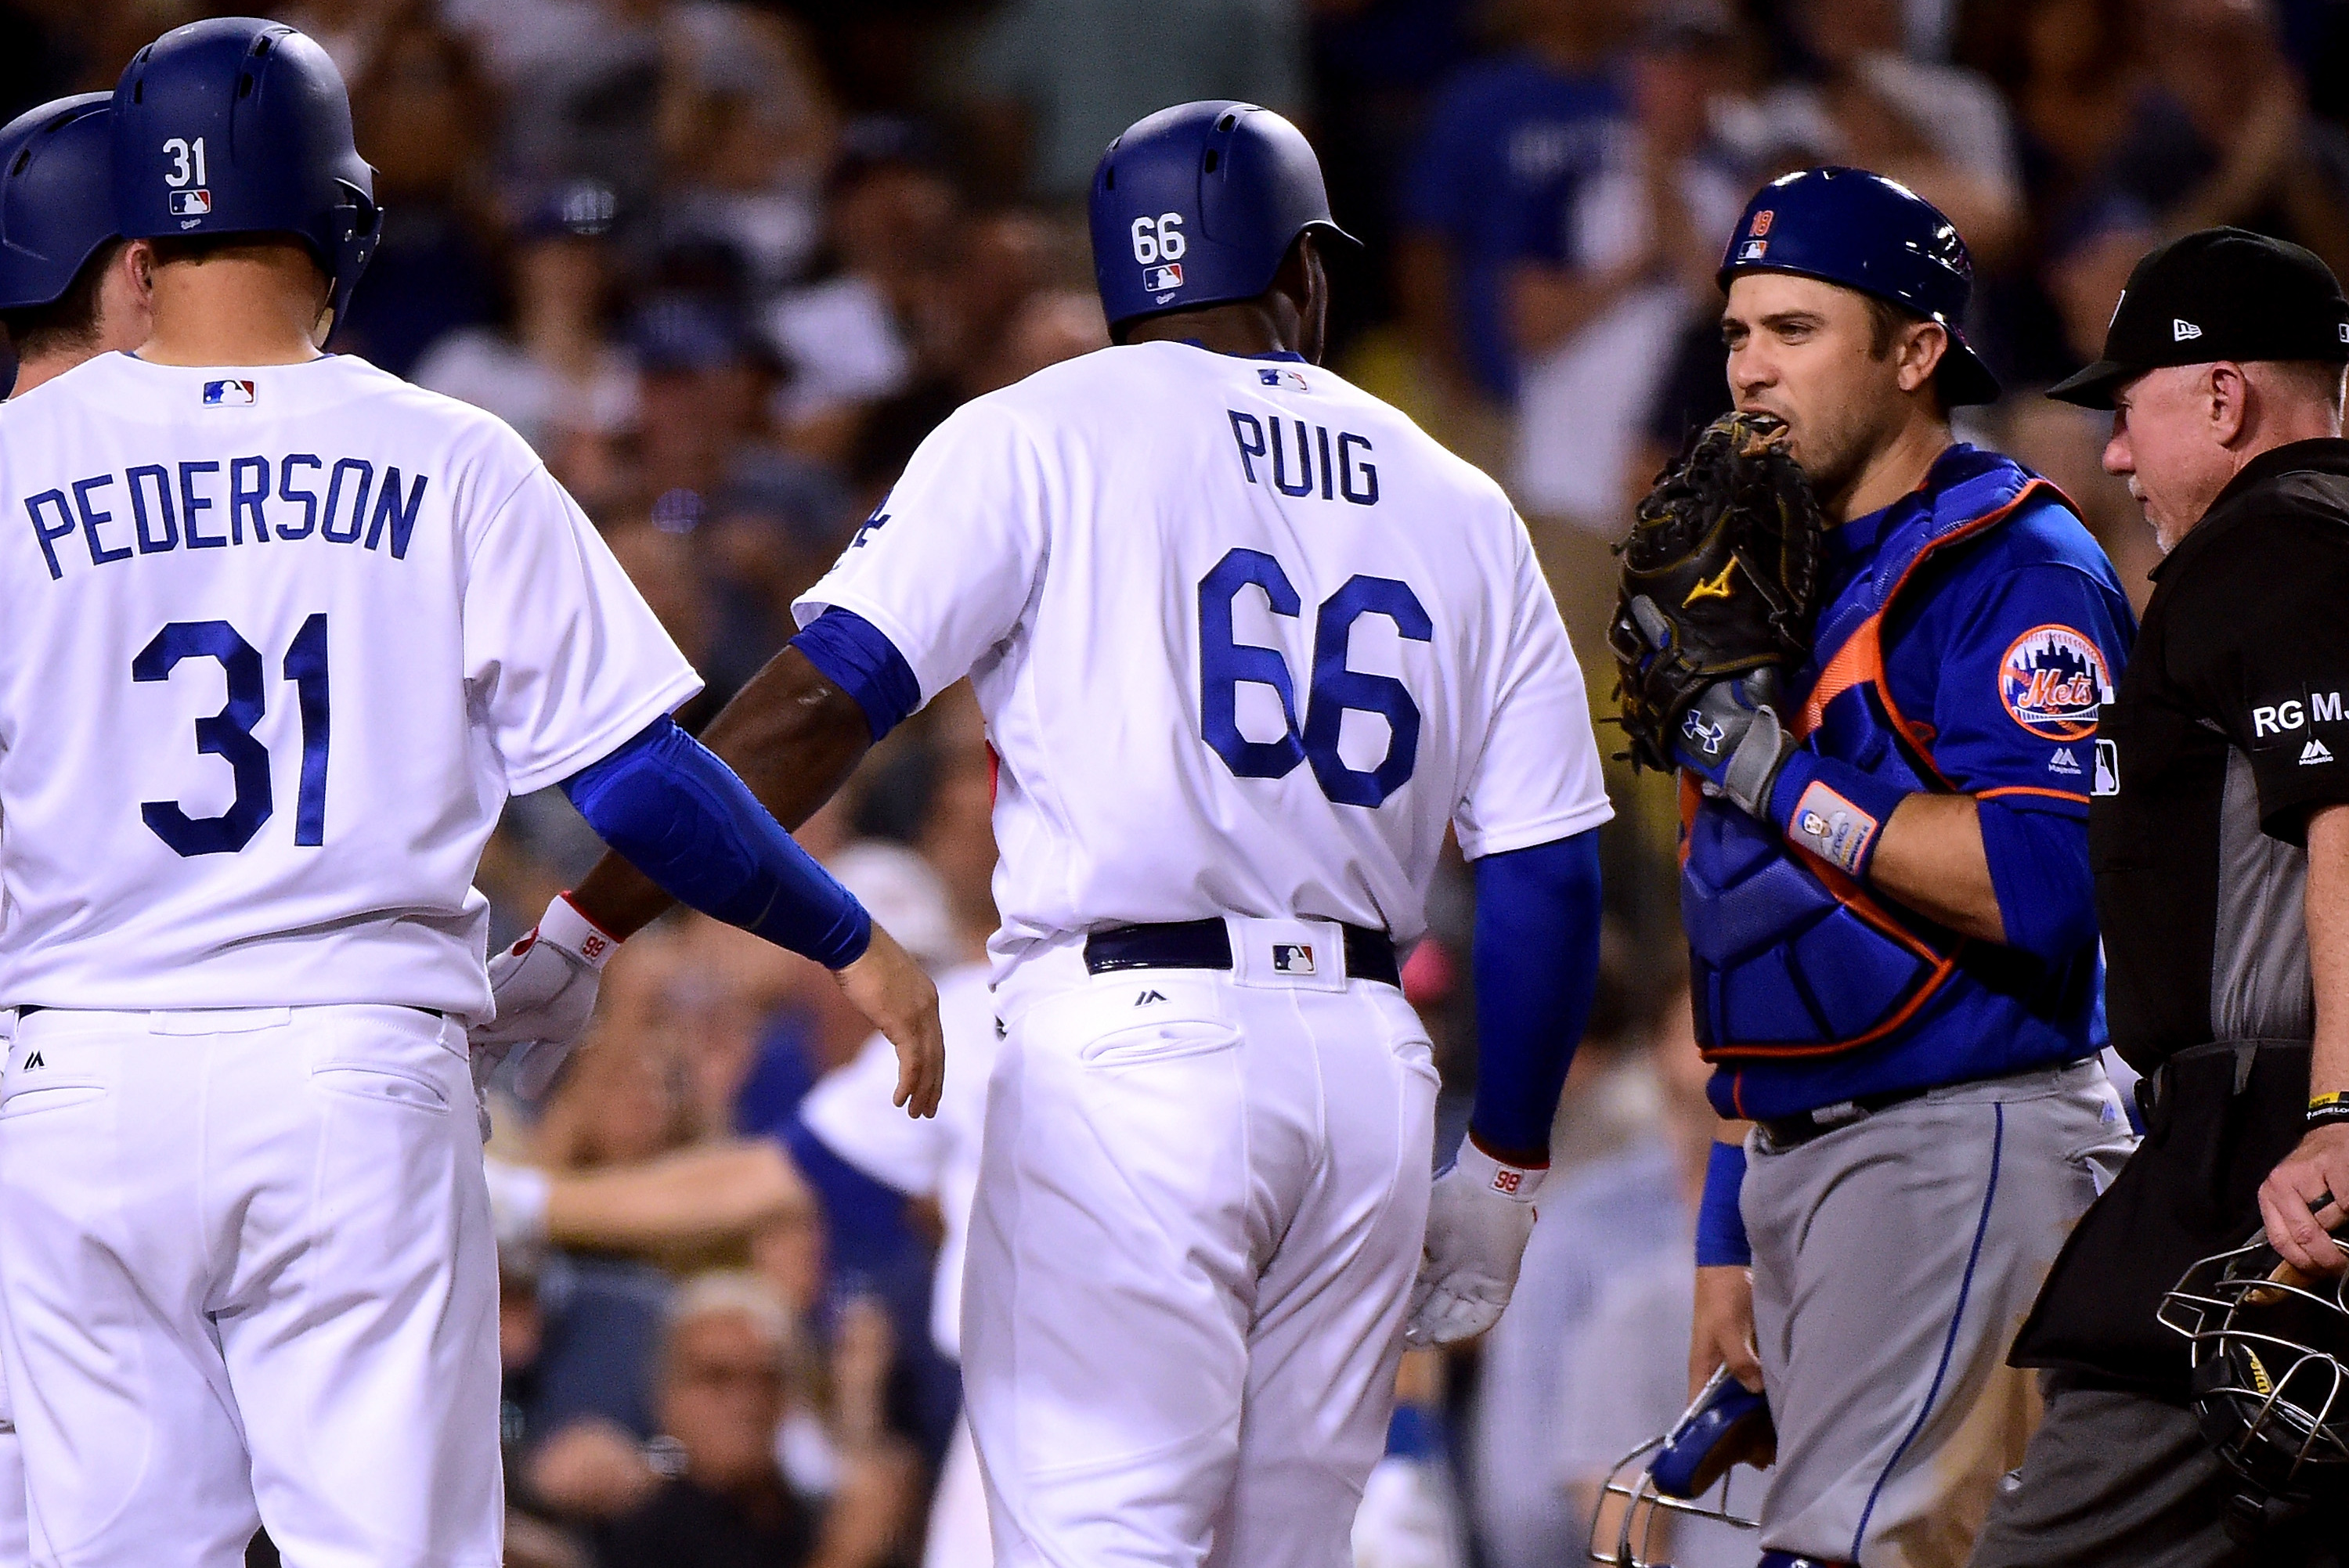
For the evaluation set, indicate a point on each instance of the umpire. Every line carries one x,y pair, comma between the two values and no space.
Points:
2219,837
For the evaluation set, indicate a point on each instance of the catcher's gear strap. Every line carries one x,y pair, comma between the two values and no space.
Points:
678,814
1536,969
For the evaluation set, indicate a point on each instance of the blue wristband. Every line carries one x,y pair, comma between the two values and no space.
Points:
1719,1222
1833,810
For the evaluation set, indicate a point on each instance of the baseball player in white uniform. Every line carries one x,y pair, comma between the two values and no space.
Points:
1249,645
66,292
283,634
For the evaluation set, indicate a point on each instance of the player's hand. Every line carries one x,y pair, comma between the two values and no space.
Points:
544,986
1732,739
1479,1218
2299,1200
889,988
1724,1327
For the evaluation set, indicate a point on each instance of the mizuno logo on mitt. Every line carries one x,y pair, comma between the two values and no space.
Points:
1717,588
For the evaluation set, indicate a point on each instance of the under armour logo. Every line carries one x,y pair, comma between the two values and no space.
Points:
34,1061
1147,997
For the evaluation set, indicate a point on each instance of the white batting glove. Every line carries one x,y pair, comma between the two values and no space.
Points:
544,986
518,1195
1479,1218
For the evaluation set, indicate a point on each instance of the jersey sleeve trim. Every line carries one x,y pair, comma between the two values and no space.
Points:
1501,841
810,607
658,703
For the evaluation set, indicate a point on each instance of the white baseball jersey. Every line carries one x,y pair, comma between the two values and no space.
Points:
281,640
1246,640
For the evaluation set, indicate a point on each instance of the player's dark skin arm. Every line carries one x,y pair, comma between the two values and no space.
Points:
792,735
796,738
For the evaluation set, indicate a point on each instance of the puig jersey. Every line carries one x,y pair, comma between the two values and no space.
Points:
281,640
1245,638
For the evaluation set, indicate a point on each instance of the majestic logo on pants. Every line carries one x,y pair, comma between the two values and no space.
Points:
2052,681
1292,958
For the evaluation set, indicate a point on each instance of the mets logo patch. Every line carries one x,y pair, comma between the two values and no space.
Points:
2052,681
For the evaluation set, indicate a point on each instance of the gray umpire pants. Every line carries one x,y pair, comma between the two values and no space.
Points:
1893,1261
2118,1479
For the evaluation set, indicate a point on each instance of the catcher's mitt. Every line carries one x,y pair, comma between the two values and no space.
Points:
1720,577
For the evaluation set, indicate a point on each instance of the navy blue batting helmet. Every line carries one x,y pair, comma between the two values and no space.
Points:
1198,204
238,126
1864,232
56,198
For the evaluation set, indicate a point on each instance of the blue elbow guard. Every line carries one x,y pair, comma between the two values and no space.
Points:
1536,965
668,807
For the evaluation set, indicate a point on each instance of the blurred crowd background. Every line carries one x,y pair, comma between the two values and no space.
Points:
724,263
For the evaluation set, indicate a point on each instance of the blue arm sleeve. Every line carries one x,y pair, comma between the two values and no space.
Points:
2039,869
668,807
849,652
1536,965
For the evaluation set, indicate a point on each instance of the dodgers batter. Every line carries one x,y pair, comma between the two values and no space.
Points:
283,632
1249,645
66,292
1890,908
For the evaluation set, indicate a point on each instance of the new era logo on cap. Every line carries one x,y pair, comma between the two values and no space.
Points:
2182,331
229,394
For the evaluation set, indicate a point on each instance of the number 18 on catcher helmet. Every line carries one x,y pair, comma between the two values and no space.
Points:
238,126
1198,204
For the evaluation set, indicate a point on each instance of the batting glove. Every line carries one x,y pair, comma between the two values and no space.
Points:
1732,739
544,986
1479,1218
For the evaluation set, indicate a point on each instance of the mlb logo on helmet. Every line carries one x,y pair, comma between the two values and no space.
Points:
2052,681
1752,249
190,204
1162,280
229,394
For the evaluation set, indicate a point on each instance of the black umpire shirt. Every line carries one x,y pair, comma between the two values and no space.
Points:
2228,728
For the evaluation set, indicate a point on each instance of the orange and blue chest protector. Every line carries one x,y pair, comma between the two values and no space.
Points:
1971,632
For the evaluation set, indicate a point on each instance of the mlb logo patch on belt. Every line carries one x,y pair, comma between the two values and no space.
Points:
1292,958
229,394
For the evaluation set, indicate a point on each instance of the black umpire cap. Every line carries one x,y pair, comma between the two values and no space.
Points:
2217,293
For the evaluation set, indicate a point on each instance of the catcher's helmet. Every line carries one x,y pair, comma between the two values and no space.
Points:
1684,1472
1864,232
56,197
1198,204
2270,1377
238,126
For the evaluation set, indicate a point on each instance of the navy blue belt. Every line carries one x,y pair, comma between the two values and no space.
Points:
1208,945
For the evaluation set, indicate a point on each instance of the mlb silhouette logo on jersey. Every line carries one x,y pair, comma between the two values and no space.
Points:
229,394
190,204
1292,958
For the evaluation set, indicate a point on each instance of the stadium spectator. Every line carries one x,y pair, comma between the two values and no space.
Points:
548,366
1511,144
727,1501
1051,82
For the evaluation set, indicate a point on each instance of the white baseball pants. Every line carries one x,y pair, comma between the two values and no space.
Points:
1201,1204
247,1267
